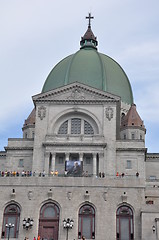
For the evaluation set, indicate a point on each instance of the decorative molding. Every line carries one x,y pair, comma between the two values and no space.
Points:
76,94
105,196
132,149
42,112
13,194
124,197
109,112
69,195
19,148
50,194
30,195
79,101
86,196
74,144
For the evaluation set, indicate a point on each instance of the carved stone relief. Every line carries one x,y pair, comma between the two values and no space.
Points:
76,94
41,112
109,113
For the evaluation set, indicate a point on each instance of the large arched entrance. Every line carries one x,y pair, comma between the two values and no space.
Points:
49,222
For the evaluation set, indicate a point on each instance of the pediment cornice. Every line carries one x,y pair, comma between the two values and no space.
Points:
75,92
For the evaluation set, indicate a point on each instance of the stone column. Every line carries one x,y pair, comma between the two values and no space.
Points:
67,156
81,157
46,163
94,164
81,160
53,162
101,162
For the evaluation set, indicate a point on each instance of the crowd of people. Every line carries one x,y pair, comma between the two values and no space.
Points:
55,173
26,174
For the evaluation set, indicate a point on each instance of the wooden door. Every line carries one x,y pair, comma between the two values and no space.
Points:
48,230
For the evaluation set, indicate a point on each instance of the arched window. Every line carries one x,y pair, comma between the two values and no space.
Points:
86,222
77,126
49,221
124,223
63,128
88,128
49,210
11,215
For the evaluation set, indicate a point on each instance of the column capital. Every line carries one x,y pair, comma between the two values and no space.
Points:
53,154
46,154
67,155
101,154
81,154
94,154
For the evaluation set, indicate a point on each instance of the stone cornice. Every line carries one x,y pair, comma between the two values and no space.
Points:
73,144
21,139
66,101
132,149
122,128
19,148
75,93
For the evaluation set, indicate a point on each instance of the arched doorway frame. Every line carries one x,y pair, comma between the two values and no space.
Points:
125,212
49,216
91,216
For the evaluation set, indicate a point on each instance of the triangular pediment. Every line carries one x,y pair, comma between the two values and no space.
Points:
75,92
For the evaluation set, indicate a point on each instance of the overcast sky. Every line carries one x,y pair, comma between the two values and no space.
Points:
37,34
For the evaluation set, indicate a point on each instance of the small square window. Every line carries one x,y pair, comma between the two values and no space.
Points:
129,165
21,163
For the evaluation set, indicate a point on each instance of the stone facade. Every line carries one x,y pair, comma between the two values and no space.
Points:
101,152
82,157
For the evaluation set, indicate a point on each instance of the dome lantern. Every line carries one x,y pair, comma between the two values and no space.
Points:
89,40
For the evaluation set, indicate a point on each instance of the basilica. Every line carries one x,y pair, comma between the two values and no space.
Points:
81,169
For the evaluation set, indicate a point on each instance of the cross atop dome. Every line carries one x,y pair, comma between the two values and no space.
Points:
89,17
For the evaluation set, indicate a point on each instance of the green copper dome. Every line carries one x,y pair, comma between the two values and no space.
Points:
91,68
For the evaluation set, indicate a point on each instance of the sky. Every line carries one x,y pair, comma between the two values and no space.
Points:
36,34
